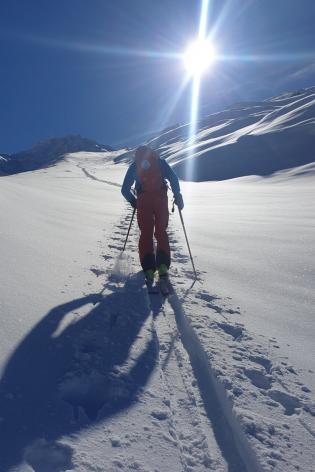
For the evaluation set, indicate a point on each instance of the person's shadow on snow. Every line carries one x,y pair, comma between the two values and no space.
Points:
65,375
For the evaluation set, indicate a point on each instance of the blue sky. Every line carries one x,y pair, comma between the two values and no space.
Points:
79,66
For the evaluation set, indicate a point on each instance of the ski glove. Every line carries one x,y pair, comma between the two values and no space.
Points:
178,198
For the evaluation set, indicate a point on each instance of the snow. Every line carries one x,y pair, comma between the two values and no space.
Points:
258,247
98,375
250,138
48,152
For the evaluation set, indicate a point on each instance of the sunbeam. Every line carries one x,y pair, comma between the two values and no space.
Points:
106,49
195,92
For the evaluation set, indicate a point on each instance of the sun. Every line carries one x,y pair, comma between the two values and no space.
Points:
199,56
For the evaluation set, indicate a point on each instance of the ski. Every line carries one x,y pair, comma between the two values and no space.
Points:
162,286
152,287
165,286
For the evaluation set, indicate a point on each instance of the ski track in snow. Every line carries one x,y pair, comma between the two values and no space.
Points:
191,431
93,177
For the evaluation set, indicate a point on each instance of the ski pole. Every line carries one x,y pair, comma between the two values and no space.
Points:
132,217
191,258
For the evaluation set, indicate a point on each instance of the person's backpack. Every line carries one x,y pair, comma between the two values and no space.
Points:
149,170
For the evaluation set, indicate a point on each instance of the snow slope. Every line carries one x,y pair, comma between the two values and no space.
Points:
3,162
98,376
250,138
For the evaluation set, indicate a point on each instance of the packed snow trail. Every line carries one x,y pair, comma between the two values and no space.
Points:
93,177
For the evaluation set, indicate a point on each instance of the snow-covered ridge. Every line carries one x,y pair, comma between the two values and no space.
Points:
3,163
254,138
49,152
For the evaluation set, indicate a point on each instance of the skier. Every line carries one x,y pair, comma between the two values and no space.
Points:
149,174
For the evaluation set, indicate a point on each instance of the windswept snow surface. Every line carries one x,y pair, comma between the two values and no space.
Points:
96,375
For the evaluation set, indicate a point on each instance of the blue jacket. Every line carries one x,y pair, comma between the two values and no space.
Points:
131,177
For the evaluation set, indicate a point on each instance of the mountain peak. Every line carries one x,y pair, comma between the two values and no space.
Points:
69,143
48,152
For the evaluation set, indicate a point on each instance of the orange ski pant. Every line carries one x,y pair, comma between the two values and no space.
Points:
152,215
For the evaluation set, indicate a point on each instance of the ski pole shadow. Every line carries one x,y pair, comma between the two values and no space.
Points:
66,375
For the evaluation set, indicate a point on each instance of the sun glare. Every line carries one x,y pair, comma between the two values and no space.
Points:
199,56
